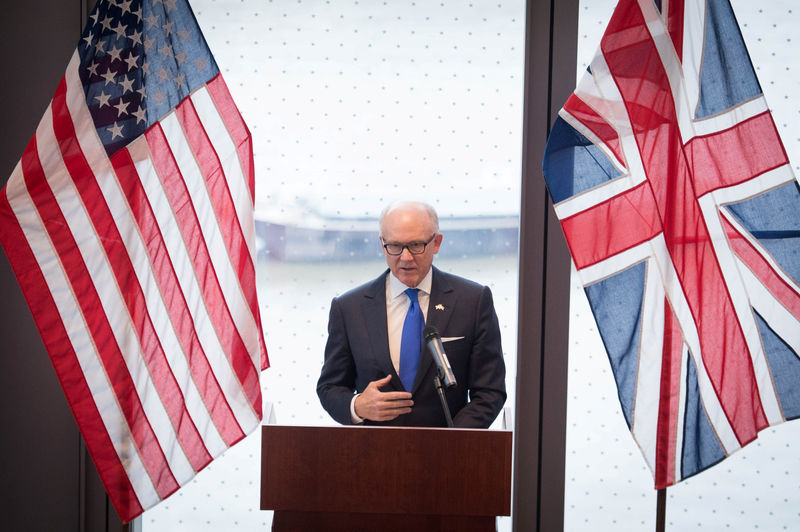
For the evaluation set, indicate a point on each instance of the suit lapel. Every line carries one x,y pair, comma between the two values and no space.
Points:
440,309
374,312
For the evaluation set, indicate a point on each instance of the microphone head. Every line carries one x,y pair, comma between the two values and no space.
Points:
429,332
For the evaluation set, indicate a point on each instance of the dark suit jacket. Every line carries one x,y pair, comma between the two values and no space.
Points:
357,353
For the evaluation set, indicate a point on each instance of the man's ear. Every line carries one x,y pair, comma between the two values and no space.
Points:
437,242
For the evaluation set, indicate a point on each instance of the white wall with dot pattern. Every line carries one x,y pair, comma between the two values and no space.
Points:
355,103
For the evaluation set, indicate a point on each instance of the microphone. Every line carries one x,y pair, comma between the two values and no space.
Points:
434,342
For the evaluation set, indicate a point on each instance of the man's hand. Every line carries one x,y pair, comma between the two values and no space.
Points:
375,405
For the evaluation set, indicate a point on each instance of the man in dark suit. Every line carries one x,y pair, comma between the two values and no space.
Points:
365,333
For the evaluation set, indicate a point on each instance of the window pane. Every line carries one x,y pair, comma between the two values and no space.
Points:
608,484
352,105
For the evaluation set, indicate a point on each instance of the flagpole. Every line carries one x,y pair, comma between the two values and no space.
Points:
661,510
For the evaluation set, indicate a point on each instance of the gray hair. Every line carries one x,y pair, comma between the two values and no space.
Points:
420,205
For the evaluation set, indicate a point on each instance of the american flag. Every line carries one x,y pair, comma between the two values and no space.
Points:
682,217
129,224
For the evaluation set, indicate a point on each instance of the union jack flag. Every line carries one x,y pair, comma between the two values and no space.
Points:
682,216
129,224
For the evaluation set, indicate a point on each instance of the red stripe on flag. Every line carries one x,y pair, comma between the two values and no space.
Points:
669,401
675,25
68,369
178,195
175,301
651,108
220,195
782,290
596,124
237,128
96,321
164,382
735,155
630,219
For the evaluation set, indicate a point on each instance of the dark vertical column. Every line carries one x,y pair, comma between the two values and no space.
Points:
39,447
48,481
540,432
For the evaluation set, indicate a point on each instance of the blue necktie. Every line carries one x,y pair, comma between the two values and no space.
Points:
411,340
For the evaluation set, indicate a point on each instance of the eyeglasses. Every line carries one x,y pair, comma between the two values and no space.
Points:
415,248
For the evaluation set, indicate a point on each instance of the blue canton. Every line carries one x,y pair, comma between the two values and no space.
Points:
138,60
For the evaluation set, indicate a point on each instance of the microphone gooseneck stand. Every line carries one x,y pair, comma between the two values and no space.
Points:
437,381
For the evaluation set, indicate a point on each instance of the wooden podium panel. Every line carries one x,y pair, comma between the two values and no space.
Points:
379,478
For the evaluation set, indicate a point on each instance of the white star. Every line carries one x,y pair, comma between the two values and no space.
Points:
152,21
179,79
103,98
89,38
95,16
127,84
149,42
122,108
169,4
168,28
93,67
106,23
132,60
140,115
138,12
114,53
108,76
165,50
119,30
162,74
136,37
185,34
180,57
158,97
116,130
125,5
200,64
146,67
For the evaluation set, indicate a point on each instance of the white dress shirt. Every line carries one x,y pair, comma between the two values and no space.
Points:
397,303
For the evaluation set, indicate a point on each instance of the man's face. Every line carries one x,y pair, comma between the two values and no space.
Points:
404,226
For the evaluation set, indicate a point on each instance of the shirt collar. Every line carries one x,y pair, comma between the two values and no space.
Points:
396,287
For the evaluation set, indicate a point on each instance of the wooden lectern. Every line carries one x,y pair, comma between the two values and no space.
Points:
385,478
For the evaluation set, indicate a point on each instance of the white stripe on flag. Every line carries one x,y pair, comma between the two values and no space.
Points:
108,290
189,285
683,313
80,337
602,94
672,67
694,16
741,304
681,419
648,379
128,229
228,280
597,194
223,144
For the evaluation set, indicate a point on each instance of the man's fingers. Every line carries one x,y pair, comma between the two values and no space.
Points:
395,396
381,382
391,409
382,406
